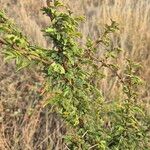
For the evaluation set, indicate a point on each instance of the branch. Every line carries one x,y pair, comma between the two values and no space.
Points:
104,64
25,53
2,42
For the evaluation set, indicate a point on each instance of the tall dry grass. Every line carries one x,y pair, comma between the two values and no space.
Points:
23,124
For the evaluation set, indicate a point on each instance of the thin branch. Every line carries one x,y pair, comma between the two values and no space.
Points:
104,64
93,146
25,53
2,42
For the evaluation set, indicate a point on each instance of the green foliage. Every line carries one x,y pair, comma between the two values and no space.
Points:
70,73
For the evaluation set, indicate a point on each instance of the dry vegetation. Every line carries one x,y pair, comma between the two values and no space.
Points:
23,123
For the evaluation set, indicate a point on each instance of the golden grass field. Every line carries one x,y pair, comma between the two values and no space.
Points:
36,129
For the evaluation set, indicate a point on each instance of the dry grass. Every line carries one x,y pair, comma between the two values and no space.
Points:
24,125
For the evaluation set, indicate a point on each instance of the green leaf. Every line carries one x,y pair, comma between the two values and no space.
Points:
58,68
57,3
24,63
50,30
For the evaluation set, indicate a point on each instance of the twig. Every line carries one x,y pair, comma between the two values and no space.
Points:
93,146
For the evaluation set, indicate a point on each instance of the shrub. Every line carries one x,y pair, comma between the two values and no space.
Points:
71,74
